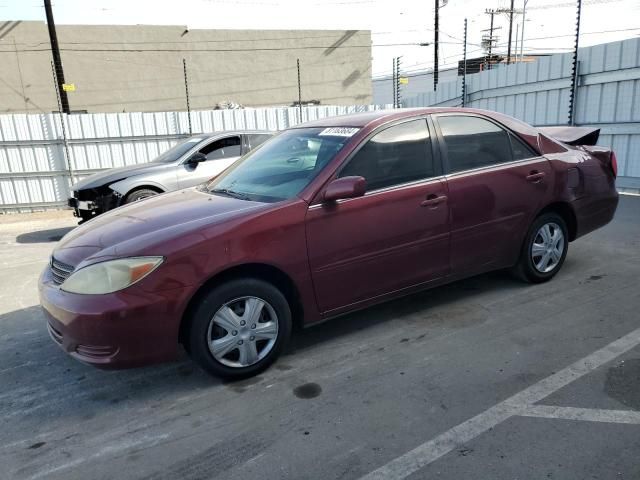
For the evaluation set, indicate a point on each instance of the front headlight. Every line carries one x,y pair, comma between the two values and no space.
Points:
110,276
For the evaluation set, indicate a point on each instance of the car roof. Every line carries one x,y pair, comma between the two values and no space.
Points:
369,121
235,132
378,117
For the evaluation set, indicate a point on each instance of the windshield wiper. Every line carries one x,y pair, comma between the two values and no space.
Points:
230,193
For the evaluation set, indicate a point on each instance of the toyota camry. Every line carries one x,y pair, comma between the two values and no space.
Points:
325,218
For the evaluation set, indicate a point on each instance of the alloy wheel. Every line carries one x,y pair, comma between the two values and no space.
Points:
242,332
547,247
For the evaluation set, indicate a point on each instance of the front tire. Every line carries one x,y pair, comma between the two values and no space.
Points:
544,249
239,328
139,195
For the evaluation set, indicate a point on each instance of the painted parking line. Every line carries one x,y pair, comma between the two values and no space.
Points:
518,404
583,414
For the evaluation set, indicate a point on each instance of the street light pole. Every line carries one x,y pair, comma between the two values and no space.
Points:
524,12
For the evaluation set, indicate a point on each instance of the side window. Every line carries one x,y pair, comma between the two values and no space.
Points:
472,142
396,155
257,139
223,148
520,150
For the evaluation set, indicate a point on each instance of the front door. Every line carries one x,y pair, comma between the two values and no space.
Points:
496,184
393,237
220,154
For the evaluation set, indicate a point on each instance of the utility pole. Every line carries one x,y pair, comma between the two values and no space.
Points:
510,31
398,99
394,83
435,46
574,68
299,90
489,40
186,91
515,55
464,67
55,51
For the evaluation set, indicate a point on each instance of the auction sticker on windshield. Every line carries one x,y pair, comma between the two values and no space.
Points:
339,131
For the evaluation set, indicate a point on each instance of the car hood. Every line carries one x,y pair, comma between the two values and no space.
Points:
112,175
153,226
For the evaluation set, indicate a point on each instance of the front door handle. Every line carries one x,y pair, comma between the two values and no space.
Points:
535,176
433,201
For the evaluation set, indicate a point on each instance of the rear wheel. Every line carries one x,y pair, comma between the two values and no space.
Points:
240,328
139,195
544,249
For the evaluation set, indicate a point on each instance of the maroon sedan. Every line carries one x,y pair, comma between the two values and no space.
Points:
325,218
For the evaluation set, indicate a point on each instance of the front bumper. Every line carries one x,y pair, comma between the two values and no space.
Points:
130,328
86,208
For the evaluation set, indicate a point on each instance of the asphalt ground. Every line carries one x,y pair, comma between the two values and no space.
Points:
485,378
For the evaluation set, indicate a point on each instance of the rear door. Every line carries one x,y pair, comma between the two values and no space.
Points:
496,184
220,154
394,236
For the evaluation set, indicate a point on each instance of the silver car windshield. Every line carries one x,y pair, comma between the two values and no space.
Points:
283,166
179,149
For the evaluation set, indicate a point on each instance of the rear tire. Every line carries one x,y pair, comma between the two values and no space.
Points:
544,249
239,328
139,195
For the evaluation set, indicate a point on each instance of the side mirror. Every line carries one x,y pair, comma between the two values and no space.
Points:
196,158
345,187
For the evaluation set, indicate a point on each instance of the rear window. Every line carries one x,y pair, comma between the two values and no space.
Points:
473,142
257,139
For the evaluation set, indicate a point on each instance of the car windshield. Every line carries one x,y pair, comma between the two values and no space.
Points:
283,166
179,149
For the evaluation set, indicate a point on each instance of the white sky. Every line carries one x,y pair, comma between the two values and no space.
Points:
391,21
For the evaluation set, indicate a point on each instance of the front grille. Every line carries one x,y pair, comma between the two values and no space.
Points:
60,271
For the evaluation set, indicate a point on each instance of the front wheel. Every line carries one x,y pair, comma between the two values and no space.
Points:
544,249
139,195
240,328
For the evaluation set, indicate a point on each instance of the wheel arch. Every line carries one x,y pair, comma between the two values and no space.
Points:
565,210
146,186
262,271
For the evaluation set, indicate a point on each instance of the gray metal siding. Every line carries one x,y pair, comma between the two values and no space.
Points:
608,96
33,169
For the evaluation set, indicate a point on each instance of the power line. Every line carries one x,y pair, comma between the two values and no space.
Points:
147,42
257,49
531,49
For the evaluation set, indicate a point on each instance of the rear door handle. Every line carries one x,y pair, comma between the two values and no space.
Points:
535,176
433,201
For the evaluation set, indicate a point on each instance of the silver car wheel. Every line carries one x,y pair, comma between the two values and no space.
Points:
242,332
547,247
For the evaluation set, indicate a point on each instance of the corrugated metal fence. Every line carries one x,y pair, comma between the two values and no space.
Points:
608,97
34,173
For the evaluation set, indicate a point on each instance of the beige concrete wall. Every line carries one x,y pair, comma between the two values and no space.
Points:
139,68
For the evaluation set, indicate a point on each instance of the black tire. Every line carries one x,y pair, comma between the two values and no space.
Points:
139,195
526,269
199,332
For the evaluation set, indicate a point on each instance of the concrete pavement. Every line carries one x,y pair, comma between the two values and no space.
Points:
393,389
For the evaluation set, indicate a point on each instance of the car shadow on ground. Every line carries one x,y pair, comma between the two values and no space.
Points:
35,370
43,236
423,308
